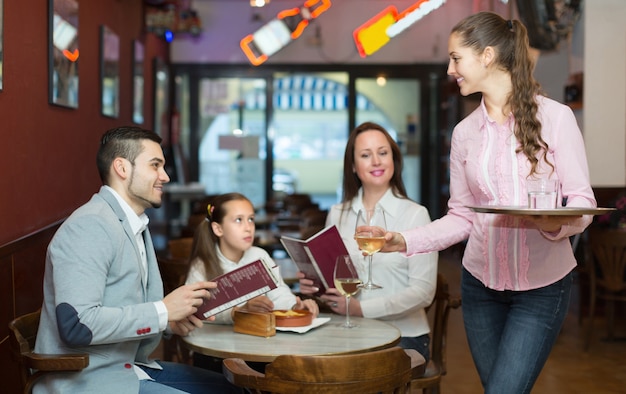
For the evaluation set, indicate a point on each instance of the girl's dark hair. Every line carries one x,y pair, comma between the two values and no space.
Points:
351,182
204,239
509,39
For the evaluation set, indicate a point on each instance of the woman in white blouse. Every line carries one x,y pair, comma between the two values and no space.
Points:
372,176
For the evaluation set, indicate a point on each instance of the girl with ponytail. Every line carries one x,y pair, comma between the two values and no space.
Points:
224,242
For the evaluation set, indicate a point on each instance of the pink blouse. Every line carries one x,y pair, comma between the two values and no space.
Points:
506,252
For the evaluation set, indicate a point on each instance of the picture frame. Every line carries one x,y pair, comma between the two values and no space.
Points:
1,41
109,72
161,85
63,53
138,81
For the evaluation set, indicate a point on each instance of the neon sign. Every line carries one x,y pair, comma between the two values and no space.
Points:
72,56
280,31
378,31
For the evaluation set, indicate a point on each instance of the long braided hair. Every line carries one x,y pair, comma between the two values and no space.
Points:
509,38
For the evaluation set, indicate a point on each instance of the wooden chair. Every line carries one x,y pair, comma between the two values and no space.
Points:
23,332
312,221
197,215
192,224
383,371
297,202
173,274
607,275
199,206
180,248
274,206
436,366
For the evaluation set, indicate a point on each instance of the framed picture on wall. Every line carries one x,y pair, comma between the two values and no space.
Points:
109,72
138,81
1,39
161,99
63,54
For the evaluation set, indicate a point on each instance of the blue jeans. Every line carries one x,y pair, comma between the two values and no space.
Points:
421,344
177,378
511,333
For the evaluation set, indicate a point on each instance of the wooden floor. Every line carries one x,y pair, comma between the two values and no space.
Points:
569,369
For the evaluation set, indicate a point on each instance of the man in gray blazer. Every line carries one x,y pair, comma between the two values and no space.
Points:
103,293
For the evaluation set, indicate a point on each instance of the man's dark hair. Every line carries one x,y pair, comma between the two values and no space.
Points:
122,142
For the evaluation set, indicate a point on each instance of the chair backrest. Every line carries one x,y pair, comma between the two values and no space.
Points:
609,257
439,311
192,224
296,202
442,304
312,221
173,273
23,333
180,248
383,371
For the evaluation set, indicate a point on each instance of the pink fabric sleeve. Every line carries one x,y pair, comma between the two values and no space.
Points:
455,226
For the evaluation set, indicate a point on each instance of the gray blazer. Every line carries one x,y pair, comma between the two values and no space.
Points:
95,300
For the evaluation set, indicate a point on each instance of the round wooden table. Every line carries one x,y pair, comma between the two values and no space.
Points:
328,339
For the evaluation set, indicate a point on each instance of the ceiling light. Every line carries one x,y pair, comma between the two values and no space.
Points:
258,3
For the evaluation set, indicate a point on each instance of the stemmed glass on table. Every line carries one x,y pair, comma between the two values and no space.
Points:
370,236
347,282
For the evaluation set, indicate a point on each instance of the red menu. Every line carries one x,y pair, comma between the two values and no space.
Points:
238,286
316,256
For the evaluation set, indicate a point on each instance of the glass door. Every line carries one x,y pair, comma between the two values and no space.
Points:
309,129
231,136
282,130
395,104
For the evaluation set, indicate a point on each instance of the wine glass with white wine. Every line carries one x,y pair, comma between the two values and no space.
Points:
347,281
370,236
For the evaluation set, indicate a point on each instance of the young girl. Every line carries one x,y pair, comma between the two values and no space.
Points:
223,242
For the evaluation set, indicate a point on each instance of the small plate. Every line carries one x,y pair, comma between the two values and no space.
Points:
564,211
293,318
318,321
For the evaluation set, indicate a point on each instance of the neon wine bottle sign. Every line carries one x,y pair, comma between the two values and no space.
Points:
280,31
378,31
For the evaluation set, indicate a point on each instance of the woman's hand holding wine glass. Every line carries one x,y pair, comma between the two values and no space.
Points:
370,236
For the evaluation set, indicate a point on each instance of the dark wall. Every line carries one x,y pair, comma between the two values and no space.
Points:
47,153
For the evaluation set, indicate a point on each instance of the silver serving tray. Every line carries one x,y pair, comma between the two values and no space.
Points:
564,211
